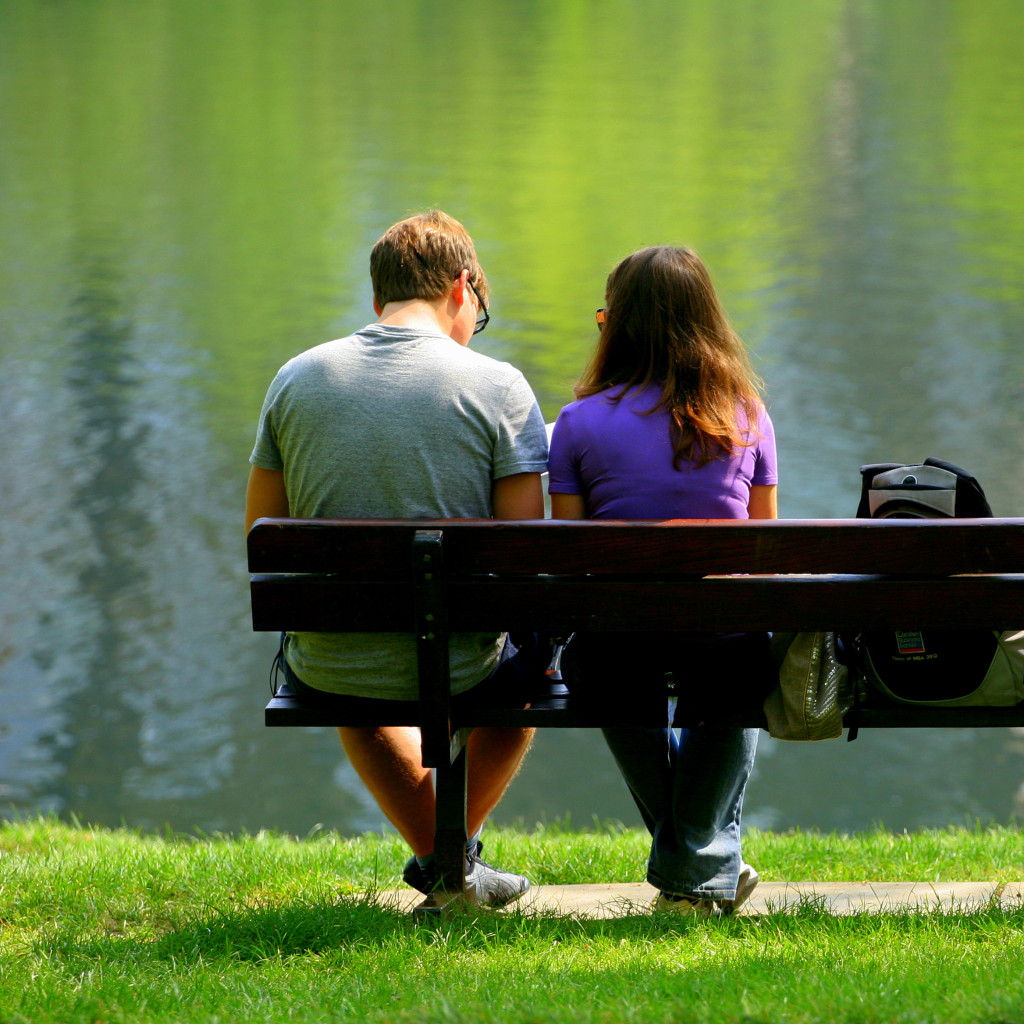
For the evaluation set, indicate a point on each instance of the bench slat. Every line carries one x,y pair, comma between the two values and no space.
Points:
378,548
287,709
567,715
571,714
325,604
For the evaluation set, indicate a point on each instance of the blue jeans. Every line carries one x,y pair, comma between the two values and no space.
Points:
689,790
688,786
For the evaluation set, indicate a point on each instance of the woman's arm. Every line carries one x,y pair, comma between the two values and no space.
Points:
568,506
764,502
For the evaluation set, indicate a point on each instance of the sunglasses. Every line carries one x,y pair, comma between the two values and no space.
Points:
483,318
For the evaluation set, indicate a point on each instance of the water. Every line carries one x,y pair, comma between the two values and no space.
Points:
188,195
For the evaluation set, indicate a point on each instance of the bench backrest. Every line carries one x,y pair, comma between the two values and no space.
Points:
365,575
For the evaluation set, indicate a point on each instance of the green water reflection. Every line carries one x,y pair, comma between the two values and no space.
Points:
188,194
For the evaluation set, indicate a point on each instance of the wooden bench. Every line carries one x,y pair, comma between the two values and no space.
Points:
431,578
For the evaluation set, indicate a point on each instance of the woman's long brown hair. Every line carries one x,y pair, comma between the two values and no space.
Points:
664,325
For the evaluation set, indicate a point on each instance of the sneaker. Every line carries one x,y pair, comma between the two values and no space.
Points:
486,885
745,885
671,903
417,877
490,886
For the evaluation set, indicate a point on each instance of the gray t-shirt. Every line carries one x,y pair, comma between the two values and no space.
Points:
395,423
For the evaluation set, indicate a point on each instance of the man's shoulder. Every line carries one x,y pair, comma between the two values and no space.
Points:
470,357
323,352
381,351
448,363
315,355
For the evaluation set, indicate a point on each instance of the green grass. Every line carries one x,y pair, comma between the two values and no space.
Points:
113,925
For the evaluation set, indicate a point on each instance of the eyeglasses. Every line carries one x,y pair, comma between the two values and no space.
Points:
483,318
601,315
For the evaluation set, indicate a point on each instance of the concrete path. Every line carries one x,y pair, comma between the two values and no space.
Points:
624,900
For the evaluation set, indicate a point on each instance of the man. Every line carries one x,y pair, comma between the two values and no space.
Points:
402,420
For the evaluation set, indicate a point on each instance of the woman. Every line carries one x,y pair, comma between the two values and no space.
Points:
668,424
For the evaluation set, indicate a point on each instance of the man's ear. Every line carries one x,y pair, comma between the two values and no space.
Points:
460,288
377,307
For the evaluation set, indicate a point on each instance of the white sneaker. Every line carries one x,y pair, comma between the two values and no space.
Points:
491,886
486,885
745,885
670,903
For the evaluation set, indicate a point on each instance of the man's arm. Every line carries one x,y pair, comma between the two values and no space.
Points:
265,496
519,496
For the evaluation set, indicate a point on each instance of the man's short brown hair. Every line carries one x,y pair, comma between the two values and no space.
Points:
420,258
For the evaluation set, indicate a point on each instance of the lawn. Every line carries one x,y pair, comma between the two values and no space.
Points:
101,925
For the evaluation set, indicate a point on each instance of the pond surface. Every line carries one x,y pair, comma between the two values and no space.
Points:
188,195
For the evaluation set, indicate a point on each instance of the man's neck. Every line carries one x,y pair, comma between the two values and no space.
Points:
418,314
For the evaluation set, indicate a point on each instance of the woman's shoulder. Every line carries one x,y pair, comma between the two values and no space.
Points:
580,405
585,409
756,427
753,414
628,395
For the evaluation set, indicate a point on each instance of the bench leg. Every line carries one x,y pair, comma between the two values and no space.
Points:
450,832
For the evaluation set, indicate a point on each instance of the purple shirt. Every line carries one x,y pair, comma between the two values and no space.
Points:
620,460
